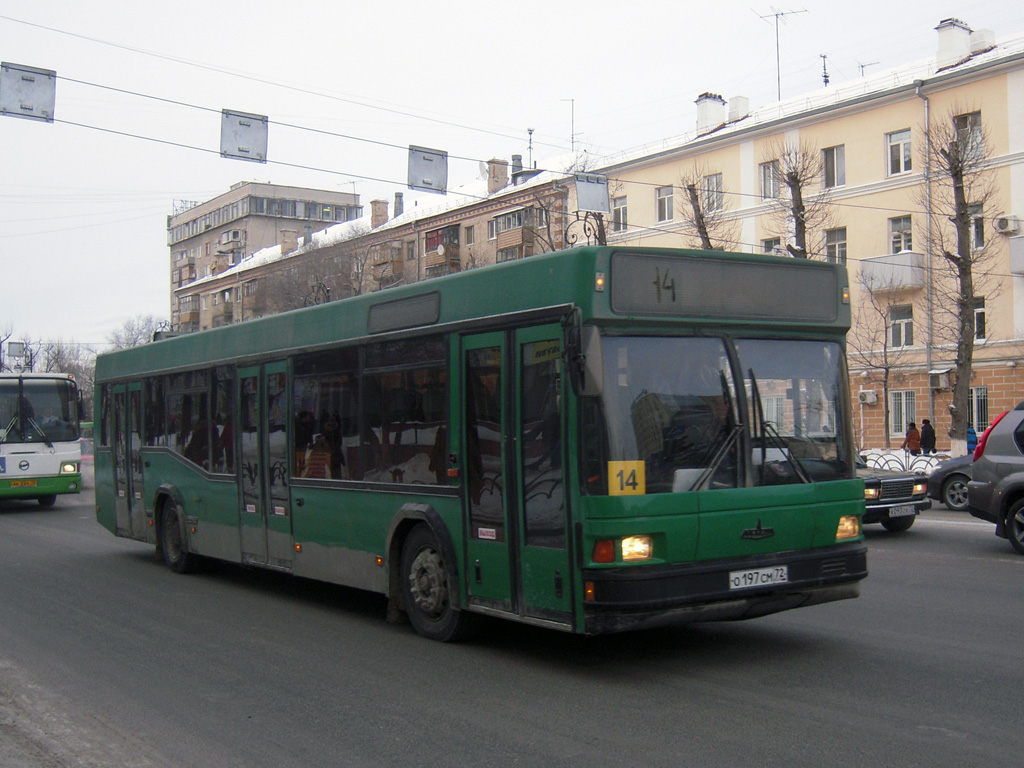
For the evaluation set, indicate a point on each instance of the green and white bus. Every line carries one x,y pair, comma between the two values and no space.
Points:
40,454
591,440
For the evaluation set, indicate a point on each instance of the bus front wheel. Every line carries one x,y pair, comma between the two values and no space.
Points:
426,588
172,540
47,501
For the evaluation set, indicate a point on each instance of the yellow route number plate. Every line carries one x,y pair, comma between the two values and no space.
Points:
23,483
626,478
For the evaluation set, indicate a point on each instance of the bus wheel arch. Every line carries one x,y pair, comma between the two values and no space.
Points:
171,533
423,582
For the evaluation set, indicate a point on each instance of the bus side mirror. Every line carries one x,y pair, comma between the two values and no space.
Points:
586,368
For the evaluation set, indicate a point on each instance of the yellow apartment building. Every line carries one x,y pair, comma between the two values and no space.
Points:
875,203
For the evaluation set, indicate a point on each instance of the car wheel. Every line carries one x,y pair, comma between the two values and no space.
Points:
954,493
1015,526
898,524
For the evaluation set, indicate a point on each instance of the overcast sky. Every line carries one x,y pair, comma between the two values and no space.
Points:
347,86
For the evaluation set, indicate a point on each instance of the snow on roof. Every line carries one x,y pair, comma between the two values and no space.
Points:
848,93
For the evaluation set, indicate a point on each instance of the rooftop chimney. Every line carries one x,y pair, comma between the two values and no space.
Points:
739,107
517,164
710,112
378,213
289,240
954,43
497,175
399,204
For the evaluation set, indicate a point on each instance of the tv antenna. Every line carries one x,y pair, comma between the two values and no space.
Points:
865,66
777,15
824,68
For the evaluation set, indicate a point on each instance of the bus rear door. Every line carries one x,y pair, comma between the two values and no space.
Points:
518,556
129,494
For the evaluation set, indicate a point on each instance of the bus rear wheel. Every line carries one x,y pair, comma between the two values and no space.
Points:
47,501
172,540
426,588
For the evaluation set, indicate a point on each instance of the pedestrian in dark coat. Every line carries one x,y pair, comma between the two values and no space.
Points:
927,437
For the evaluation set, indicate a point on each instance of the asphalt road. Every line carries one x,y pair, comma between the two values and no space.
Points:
108,659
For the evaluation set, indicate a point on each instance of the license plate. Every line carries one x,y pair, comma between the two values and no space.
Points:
24,483
903,510
758,577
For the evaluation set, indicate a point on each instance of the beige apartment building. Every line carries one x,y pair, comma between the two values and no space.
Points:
876,206
209,237
510,216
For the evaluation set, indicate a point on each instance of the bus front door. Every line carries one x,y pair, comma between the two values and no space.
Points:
129,499
265,520
518,558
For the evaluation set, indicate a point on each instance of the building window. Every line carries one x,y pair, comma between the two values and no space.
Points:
835,245
620,219
899,152
978,415
713,193
770,187
901,326
977,214
902,410
470,235
540,218
969,135
834,160
900,234
505,222
771,244
508,254
664,199
979,319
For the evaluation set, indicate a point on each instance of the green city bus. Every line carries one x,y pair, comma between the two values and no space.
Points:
591,440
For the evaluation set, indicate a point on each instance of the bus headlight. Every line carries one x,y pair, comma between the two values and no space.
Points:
849,527
636,548
69,468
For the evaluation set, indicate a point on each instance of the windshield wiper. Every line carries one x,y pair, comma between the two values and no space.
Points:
769,432
40,430
3,437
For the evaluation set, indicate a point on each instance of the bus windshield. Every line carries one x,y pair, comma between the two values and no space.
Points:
38,410
671,404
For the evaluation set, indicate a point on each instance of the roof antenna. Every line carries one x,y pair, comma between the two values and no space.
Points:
779,15
824,69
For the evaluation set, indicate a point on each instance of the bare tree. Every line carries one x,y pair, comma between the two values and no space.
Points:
806,207
5,334
959,190
703,210
136,331
69,357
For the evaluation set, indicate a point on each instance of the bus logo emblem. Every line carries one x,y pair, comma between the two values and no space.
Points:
23,465
759,533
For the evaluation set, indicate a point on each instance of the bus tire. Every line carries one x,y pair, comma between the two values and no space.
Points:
426,585
172,540
47,501
1015,526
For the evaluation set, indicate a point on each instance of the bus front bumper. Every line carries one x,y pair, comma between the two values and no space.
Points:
642,597
30,488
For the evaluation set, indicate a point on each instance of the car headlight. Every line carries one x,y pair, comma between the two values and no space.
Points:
921,487
870,494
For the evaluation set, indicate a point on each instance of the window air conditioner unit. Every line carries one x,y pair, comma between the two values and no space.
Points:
938,380
1007,225
867,397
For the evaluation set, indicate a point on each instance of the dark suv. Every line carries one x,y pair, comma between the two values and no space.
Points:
892,498
996,490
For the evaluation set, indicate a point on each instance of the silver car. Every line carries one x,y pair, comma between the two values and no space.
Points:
996,490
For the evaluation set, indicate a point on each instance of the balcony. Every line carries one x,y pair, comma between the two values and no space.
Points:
893,272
